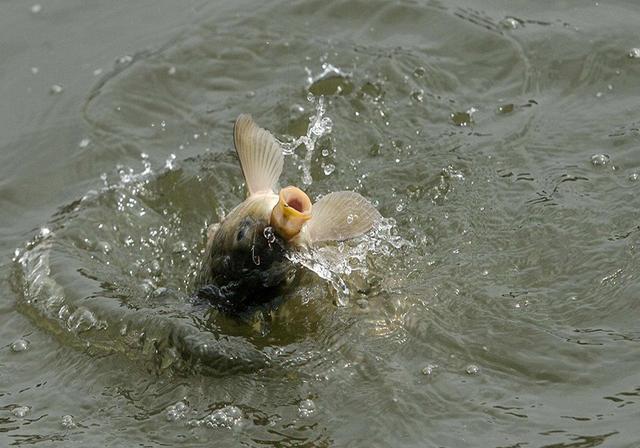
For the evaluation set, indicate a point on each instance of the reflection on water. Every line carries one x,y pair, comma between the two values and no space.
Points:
493,307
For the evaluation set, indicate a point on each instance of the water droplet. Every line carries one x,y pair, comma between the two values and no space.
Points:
462,119
67,422
472,369
19,345
306,408
172,70
97,72
350,219
35,9
20,411
634,53
35,70
269,234
399,207
329,168
428,369
633,177
84,143
56,89
170,162
325,152
104,247
600,159
505,108
296,109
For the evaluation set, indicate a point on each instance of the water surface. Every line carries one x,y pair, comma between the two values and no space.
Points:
500,310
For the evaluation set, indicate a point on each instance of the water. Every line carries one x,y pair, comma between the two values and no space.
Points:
498,308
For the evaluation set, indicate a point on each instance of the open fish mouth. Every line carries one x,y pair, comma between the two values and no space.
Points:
291,212
295,200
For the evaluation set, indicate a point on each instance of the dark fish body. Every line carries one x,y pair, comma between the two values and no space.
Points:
245,260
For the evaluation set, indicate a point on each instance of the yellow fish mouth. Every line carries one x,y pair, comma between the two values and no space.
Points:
291,212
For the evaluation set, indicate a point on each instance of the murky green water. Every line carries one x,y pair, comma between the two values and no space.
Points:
501,310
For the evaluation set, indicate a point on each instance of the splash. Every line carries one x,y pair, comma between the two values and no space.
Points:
319,126
336,264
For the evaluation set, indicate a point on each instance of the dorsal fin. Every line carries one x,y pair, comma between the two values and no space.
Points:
341,215
260,156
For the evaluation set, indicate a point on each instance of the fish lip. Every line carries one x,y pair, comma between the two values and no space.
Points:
295,203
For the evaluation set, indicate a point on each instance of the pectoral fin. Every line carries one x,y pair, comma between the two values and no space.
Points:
341,215
260,156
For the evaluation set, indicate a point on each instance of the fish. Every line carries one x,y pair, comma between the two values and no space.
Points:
247,255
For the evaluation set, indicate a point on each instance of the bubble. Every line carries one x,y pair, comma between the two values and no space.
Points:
633,177
428,369
600,159
634,53
226,417
419,72
472,369
176,411
84,143
97,72
20,345
35,9
172,70
56,89
329,168
350,219
81,320
511,23
418,95
35,70
126,59
325,152
67,422
306,408
20,411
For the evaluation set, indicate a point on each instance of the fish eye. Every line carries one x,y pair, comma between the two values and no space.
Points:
240,234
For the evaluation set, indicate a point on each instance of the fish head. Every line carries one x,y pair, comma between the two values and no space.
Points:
291,212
